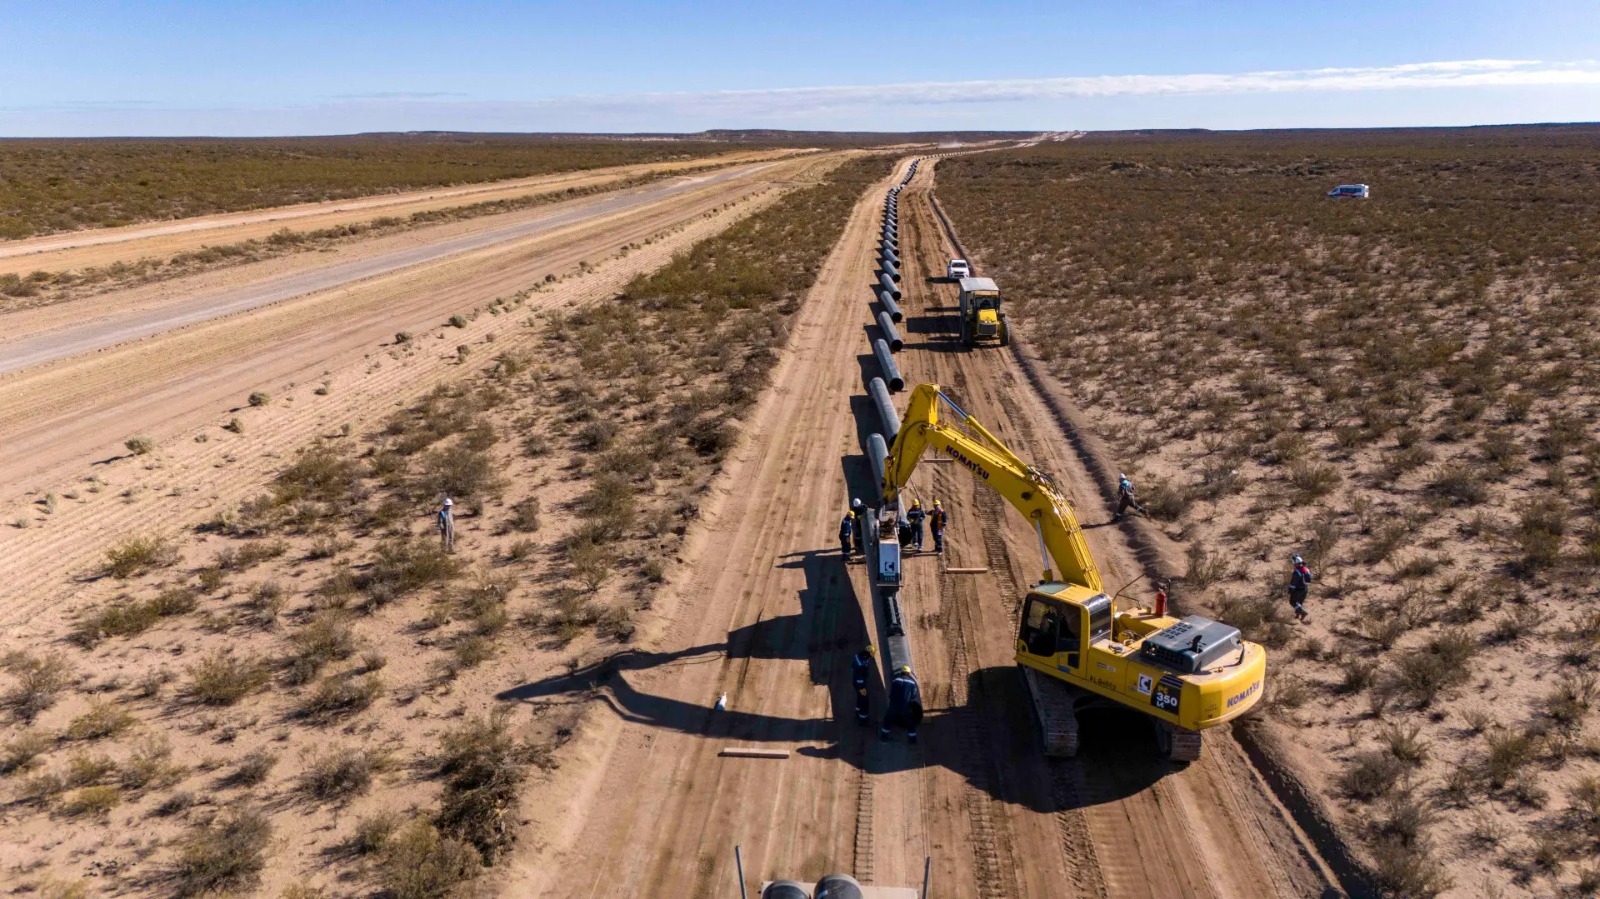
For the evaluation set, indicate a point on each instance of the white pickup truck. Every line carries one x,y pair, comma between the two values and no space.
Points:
957,269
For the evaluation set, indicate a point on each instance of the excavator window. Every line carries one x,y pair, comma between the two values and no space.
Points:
1040,627
1049,628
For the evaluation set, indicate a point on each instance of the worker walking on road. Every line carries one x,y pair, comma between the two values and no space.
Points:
1125,497
905,704
858,527
860,673
446,522
847,527
936,522
1299,588
916,517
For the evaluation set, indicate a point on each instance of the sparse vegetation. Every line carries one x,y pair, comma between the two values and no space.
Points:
225,855
1402,390
39,681
222,678
139,553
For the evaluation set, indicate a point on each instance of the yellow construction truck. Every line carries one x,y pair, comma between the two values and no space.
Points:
1075,649
981,316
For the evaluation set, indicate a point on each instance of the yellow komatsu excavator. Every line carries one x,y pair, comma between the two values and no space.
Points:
1075,649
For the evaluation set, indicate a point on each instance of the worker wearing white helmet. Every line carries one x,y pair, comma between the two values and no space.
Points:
446,522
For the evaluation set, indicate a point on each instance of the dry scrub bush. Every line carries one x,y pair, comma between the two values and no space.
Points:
251,769
339,774
127,619
225,855
482,764
103,719
19,753
222,678
137,554
339,696
405,565
418,862
140,445
39,681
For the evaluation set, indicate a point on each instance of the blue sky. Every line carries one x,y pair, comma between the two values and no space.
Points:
73,68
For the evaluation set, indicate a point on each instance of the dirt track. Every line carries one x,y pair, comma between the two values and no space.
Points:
61,415
105,246
770,618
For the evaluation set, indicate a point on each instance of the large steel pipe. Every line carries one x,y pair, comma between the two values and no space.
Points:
888,284
890,332
891,371
892,271
890,306
890,244
889,257
879,392
784,889
877,452
842,886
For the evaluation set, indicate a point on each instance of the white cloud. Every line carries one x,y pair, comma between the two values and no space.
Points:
973,104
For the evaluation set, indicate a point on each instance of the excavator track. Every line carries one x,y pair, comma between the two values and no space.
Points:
1179,744
1053,708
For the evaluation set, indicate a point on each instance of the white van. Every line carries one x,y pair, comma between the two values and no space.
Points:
957,269
1358,191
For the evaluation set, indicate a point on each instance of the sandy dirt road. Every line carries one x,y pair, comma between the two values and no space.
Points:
50,567
104,246
770,616
21,351
58,417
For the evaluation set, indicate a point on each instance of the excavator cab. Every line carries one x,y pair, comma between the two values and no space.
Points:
1056,623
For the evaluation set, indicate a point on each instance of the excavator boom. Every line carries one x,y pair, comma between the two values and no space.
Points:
1074,647
971,445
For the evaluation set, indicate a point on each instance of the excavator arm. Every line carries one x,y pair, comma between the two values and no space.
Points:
969,444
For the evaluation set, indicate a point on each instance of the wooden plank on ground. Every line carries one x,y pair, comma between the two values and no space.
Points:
966,571
744,752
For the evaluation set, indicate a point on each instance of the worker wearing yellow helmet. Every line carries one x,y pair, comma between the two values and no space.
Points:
905,704
937,519
915,517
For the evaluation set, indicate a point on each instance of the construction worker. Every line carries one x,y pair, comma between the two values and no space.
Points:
1125,497
1299,587
446,522
858,530
847,527
905,704
936,522
916,516
860,673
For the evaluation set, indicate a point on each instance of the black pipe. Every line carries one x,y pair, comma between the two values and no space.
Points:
890,306
877,452
879,392
891,371
890,332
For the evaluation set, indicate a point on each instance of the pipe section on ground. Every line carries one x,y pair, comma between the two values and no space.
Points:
784,889
879,392
890,332
889,269
891,371
890,306
888,284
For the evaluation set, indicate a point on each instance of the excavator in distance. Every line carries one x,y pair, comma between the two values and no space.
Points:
1075,650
